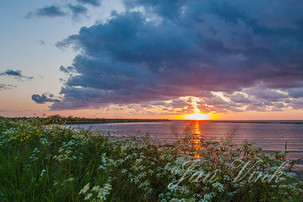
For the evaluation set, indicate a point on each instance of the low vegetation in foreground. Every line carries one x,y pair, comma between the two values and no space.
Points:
56,163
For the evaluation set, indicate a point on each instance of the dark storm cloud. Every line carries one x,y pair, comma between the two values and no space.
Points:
45,97
189,48
16,74
90,2
48,11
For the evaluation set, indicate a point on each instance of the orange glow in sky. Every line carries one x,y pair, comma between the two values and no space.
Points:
197,115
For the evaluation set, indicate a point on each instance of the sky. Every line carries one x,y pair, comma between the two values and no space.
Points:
175,59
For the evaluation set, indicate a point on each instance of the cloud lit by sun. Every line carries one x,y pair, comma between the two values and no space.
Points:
197,115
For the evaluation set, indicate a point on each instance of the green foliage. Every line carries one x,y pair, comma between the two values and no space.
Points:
41,162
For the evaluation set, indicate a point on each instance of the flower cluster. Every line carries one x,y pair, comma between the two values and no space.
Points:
62,163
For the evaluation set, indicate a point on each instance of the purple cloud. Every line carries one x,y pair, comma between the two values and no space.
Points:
45,97
189,48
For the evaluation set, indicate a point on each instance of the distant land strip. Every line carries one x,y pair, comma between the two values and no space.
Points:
91,121
56,119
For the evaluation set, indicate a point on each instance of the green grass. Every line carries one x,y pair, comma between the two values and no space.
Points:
41,162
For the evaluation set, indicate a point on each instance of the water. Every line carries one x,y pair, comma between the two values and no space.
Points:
270,136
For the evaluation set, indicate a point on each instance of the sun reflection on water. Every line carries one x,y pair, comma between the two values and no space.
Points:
196,138
197,129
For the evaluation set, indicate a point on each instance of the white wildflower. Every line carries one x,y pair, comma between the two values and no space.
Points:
42,172
96,188
88,196
102,192
84,189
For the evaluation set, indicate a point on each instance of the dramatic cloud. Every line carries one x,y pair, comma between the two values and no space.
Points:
45,97
48,11
251,52
77,10
16,74
90,2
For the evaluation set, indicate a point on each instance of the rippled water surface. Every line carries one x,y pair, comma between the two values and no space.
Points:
271,136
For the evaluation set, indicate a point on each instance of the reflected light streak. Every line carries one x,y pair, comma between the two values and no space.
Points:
196,139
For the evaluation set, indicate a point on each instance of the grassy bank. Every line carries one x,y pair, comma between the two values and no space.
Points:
41,162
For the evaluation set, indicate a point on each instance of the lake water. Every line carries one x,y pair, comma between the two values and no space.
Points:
270,136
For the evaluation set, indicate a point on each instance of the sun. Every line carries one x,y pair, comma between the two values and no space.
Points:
197,116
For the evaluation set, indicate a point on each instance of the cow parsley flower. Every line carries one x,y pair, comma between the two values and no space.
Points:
84,189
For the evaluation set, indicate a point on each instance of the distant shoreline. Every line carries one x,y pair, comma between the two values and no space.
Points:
162,120
115,121
77,120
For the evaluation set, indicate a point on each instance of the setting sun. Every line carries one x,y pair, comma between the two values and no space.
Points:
197,116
